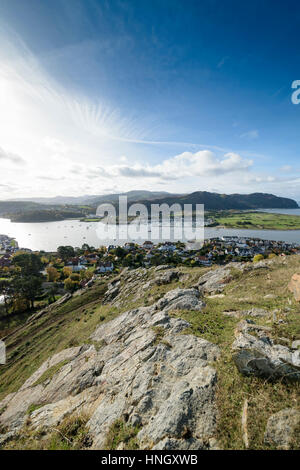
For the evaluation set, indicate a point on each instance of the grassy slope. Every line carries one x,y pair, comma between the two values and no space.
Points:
259,220
72,324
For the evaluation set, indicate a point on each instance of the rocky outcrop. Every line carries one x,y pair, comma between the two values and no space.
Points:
50,308
294,286
281,428
214,282
257,354
144,371
181,299
167,277
255,312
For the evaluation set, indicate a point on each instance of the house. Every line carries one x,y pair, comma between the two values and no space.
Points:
129,246
203,260
107,267
78,268
167,246
148,245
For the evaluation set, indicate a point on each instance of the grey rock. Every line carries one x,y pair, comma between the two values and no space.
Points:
4,438
214,282
255,312
296,344
182,444
167,277
181,299
260,356
165,383
281,427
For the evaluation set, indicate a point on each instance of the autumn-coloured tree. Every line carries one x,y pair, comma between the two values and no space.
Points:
52,274
67,271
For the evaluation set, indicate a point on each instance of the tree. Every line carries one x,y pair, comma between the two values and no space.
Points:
70,285
86,275
128,260
27,287
52,293
86,247
67,271
257,258
27,280
65,252
29,263
52,274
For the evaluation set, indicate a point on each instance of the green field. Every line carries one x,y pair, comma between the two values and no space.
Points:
257,220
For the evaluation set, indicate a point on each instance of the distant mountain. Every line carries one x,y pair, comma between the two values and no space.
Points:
215,201
132,196
211,201
94,200
58,200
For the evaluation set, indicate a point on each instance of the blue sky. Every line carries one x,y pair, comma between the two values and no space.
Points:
102,96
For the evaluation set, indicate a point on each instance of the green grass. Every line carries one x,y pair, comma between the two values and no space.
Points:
67,326
33,408
258,220
71,434
121,432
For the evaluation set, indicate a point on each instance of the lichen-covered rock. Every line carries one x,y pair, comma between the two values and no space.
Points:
260,356
144,372
281,429
186,444
181,299
255,312
78,374
214,282
167,277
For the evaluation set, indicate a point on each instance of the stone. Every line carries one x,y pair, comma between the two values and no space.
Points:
260,356
184,444
294,286
166,278
181,299
214,282
255,312
296,344
144,372
4,438
281,427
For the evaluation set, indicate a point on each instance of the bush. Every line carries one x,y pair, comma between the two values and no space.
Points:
258,258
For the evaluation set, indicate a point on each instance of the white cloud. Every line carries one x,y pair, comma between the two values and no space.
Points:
10,157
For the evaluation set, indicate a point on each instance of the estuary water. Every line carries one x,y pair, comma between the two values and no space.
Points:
48,236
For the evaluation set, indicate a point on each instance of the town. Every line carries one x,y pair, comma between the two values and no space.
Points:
29,279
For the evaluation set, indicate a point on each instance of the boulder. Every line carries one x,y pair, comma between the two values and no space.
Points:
214,282
180,299
166,278
281,429
260,356
294,286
